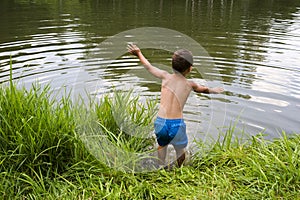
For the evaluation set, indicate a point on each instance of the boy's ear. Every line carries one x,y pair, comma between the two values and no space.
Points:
191,67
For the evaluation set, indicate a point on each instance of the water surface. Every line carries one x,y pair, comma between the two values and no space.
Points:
254,48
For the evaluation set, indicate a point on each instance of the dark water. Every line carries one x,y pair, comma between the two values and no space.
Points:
253,48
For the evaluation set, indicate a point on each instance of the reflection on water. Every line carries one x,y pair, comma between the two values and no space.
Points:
255,46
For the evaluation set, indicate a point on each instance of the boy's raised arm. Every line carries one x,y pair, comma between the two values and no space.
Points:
134,50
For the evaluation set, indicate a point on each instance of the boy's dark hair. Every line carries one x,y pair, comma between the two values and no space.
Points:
182,60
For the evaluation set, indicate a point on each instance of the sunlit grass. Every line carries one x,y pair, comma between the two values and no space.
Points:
44,154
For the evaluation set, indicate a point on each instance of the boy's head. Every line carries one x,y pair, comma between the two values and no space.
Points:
182,60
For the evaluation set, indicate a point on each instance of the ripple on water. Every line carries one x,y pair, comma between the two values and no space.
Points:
258,68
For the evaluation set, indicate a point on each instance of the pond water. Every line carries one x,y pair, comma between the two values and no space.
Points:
253,51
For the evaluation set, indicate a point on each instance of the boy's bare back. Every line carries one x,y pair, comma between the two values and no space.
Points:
175,90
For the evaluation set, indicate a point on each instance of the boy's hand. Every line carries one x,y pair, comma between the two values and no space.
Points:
133,49
216,90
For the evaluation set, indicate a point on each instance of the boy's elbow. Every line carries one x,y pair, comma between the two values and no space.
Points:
202,90
206,91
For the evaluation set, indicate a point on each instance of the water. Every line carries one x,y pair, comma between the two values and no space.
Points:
254,49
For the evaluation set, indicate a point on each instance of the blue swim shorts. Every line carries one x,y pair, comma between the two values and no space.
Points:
171,131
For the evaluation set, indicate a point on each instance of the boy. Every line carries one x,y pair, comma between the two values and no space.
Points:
169,125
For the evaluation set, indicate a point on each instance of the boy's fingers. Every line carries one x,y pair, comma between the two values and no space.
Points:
130,45
132,48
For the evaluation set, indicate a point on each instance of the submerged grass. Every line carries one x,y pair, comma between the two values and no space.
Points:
42,155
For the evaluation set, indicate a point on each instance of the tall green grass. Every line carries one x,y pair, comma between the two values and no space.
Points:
118,131
45,154
255,168
128,119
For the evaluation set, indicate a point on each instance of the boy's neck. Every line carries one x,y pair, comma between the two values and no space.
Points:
184,74
179,74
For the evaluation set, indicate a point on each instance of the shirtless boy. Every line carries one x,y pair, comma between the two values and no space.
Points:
169,125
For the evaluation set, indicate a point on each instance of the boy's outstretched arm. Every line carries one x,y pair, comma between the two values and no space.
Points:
202,89
134,50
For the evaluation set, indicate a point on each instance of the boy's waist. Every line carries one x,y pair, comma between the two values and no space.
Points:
158,118
170,114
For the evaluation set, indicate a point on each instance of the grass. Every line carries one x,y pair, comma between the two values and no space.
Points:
45,154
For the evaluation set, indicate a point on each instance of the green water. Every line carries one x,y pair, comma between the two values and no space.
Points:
253,48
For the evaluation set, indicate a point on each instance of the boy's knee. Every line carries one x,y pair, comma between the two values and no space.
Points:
179,151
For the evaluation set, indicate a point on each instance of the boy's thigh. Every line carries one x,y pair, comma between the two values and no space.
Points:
162,134
180,140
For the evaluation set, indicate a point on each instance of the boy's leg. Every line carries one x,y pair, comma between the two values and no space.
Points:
180,154
162,152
